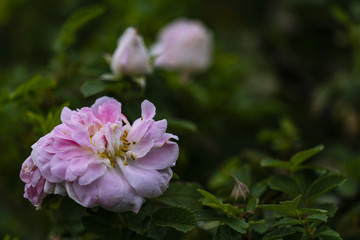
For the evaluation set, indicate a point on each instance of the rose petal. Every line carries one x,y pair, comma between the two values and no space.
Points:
147,183
159,158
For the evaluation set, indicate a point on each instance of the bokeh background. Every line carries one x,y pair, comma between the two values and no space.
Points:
285,77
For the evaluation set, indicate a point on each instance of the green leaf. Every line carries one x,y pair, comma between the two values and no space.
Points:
222,233
329,234
287,221
207,215
260,226
286,207
179,218
77,20
285,184
237,224
211,201
90,88
323,185
35,84
138,223
181,194
269,162
302,156
317,216
279,233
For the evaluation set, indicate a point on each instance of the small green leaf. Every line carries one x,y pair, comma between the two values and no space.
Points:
237,224
323,185
181,219
207,215
259,226
329,234
269,162
182,195
210,200
279,233
287,221
252,204
286,207
90,88
317,216
285,184
302,156
222,233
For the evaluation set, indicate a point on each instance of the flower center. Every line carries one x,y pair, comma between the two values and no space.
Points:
114,149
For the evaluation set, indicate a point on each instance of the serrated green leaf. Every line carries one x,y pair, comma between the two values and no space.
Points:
222,233
90,88
181,219
279,233
181,194
285,184
323,185
206,215
77,20
211,201
287,221
260,226
317,216
279,209
237,224
329,207
138,223
252,204
302,211
302,156
269,162
329,234
286,207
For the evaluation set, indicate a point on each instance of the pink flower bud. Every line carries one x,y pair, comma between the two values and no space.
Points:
131,56
98,158
183,45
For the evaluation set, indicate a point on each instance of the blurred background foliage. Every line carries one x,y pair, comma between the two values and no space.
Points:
285,77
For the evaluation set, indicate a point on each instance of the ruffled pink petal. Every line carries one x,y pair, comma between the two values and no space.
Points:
84,195
59,167
154,132
78,165
93,172
147,183
82,138
107,109
138,129
159,158
130,201
147,110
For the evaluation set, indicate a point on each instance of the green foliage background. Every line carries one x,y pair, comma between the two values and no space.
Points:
284,78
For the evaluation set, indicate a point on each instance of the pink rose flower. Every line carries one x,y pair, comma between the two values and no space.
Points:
183,45
99,159
131,56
